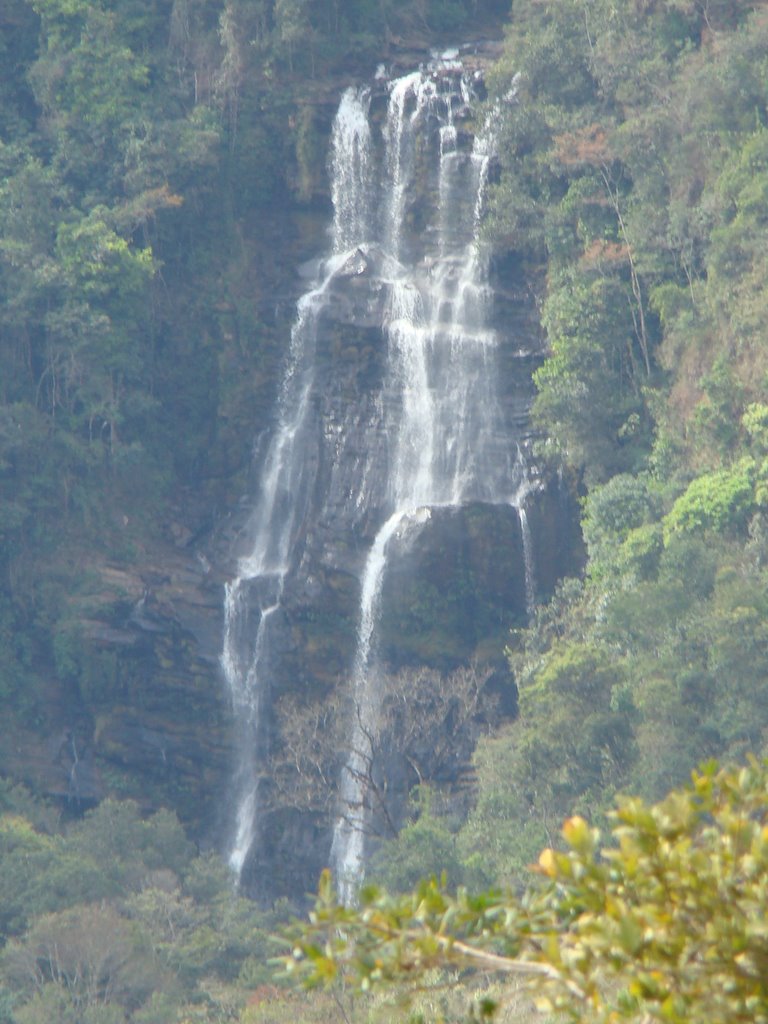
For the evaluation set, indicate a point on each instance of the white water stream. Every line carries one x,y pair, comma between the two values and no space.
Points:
285,484
449,442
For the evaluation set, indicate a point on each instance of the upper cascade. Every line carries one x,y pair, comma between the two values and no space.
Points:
351,469
351,167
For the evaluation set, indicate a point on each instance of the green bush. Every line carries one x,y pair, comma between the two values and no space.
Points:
720,501
665,923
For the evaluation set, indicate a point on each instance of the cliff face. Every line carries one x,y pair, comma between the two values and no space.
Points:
138,705
399,520
460,584
133,703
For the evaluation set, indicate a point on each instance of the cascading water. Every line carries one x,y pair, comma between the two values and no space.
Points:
285,487
435,433
452,445
528,561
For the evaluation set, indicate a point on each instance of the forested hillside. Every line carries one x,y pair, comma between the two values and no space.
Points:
635,173
162,174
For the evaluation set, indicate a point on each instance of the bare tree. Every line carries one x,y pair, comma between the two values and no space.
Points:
304,770
425,732
89,952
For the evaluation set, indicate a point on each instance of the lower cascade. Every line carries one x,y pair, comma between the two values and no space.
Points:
404,401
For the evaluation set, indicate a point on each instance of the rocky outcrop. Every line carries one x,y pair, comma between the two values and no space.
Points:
135,707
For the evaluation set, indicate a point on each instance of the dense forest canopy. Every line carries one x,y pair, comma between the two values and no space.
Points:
162,171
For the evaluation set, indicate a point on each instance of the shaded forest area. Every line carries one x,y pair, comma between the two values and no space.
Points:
162,174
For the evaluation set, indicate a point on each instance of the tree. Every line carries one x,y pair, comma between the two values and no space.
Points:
719,501
89,954
667,923
425,730
588,398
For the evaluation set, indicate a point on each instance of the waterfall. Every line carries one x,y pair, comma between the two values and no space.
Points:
406,257
452,444
285,487
528,560
351,170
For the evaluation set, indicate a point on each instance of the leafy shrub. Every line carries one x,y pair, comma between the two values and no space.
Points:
720,501
666,923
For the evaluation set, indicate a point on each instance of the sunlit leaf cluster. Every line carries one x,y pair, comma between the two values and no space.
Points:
664,922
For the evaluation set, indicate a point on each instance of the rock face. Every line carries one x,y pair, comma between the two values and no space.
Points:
404,408
399,519
135,707
164,728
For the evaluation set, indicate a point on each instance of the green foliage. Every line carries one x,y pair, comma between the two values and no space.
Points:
615,514
720,501
41,875
596,940
633,163
573,746
509,822
115,919
425,845
716,417
575,740
129,847
755,423
587,397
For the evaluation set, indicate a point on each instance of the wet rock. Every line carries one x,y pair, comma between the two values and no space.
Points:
458,576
